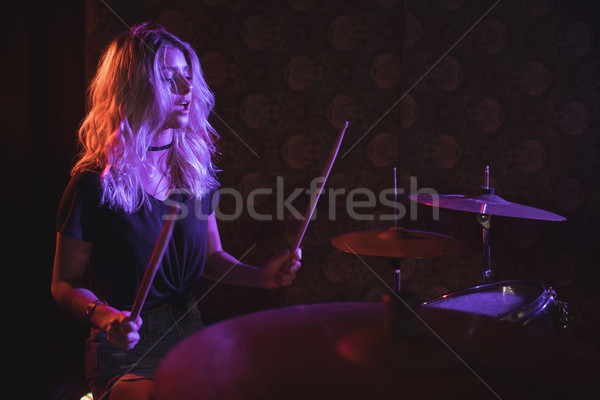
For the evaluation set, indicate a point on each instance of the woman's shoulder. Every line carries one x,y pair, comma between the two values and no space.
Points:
79,204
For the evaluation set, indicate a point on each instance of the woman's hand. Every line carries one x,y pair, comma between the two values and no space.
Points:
280,270
122,331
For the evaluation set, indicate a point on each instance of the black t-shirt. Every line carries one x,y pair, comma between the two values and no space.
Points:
123,242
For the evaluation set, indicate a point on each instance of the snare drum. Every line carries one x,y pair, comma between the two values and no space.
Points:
524,302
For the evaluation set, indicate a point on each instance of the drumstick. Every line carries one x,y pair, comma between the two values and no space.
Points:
313,201
157,255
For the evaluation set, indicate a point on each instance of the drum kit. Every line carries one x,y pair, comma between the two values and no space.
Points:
523,301
473,343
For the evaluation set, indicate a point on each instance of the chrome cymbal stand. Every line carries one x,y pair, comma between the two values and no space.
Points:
484,220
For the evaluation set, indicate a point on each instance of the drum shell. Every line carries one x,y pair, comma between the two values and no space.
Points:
539,306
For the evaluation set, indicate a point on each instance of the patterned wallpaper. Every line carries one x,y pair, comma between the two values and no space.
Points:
519,93
437,89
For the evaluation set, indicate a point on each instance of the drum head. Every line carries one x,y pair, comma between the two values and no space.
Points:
503,300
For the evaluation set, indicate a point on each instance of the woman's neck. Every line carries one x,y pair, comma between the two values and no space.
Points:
158,158
163,138
157,181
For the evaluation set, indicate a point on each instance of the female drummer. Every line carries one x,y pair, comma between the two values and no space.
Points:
146,144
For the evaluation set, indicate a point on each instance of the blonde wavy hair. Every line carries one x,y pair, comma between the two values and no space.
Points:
128,106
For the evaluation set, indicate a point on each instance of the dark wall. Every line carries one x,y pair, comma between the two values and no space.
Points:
436,88
42,104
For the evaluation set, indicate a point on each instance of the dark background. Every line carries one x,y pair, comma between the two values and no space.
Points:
429,87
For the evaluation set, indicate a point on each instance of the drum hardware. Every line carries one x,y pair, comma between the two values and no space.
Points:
485,220
559,313
398,244
485,203
395,243
523,302
486,273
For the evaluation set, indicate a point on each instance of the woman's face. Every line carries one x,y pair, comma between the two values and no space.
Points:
177,75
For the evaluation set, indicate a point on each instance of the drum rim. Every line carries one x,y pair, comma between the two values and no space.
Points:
522,314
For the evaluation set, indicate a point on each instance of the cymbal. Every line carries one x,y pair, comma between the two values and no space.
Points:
485,203
347,350
395,242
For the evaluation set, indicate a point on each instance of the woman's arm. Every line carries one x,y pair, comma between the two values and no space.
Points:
70,264
280,270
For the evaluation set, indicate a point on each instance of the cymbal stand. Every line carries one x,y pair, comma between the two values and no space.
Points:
407,298
398,277
397,273
484,220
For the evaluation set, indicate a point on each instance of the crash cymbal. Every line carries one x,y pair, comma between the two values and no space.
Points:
485,203
395,242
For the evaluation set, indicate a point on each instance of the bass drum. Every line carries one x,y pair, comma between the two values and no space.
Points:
524,302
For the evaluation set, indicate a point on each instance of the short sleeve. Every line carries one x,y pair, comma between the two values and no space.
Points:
78,210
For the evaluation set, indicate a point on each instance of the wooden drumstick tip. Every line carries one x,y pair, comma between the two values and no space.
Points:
315,198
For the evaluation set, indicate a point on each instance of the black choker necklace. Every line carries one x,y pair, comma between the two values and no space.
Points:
160,148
